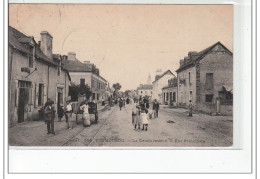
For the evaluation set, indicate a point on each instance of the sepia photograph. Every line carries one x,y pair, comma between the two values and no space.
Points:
120,75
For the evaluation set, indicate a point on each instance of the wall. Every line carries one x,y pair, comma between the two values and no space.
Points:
147,92
220,63
76,76
169,90
158,85
184,89
20,60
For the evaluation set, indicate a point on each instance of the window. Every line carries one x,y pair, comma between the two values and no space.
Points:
174,97
30,61
82,81
59,69
141,92
209,81
40,95
189,77
209,97
30,57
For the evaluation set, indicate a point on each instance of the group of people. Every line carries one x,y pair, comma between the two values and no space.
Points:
49,115
142,112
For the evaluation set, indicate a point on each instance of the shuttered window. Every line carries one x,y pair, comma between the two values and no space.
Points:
209,81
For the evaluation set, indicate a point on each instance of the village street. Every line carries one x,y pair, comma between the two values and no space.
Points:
173,128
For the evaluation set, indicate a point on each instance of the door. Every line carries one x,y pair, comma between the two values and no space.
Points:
22,102
59,101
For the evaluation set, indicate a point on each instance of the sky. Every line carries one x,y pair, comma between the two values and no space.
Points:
127,42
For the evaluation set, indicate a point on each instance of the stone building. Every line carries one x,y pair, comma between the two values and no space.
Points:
161,80
145,89
86,73
206,78
169,92
34,75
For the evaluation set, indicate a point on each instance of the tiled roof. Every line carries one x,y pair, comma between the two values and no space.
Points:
191,62
18,40
145,87
75,66
168,71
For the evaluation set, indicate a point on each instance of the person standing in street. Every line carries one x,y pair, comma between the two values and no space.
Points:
156,108
136,120
68,114
53,110
86,117
49,112
60,112
144,119
190,108
120,103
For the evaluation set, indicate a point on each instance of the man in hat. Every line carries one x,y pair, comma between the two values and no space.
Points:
50,115
156,108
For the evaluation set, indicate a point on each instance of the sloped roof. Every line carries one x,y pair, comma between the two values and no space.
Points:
200,55
145,87
75,66
18,40
168,71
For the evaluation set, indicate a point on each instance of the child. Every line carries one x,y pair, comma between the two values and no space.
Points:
144,118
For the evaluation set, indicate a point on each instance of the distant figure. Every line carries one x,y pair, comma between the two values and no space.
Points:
147,104
124,102
190,108
156,108
120,103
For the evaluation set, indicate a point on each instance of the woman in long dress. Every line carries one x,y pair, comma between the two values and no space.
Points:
86,117
136,121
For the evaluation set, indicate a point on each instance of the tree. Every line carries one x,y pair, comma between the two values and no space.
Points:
81,89
116,87
127,92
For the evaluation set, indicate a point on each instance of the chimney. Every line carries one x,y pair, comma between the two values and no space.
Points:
192,54
186,60
158,72
181,63
87,62
46,43
71,56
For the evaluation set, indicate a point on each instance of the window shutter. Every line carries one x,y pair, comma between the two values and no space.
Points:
36,94
44,99
17,93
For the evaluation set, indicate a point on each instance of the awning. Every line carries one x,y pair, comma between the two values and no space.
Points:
228,88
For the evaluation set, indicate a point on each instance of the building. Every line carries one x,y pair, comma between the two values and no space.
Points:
86,73
169,92
206,78
161,80
145,89
34,76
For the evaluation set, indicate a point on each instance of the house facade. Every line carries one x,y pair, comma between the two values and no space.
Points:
86,73
160,82
145,90
169,93
210,73
33,76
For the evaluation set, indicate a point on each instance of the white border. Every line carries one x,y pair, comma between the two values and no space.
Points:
160,161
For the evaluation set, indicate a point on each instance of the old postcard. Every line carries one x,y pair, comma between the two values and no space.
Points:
120,75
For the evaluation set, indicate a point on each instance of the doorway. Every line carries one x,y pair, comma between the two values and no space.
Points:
22,102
